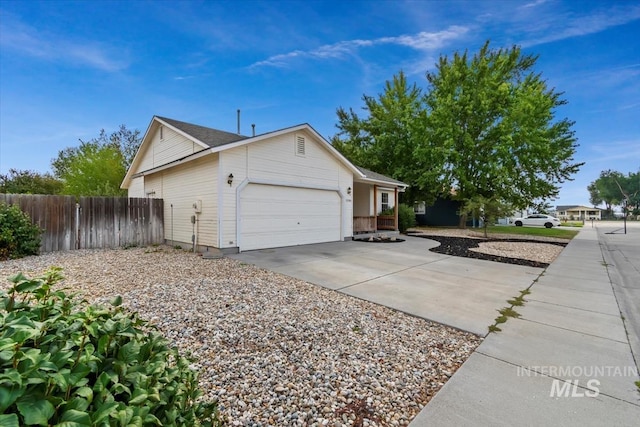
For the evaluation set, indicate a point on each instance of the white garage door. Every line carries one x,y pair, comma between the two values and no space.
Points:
274,216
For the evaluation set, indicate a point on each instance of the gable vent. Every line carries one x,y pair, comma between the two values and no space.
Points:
300,145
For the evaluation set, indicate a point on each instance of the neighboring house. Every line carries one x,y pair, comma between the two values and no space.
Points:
237,193
442,213
576,212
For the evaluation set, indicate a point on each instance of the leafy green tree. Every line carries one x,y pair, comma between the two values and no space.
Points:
488,209
605,190
594,194
494,118
486,127
29,182
97,167
386,140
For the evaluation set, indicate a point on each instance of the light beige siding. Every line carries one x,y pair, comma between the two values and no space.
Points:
172,146
181,187
136,189
276,161
362,195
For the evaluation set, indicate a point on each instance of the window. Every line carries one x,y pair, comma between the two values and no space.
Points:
161,132
385,201
300,148
419,208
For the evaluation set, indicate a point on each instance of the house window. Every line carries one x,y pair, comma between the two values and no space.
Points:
300,145
419,208
161,132
385,201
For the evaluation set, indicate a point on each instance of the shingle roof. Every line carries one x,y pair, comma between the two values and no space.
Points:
211,137
379,177
569,207
217,138
565,207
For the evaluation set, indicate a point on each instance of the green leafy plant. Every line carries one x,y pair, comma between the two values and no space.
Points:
66,363
406,217
18,236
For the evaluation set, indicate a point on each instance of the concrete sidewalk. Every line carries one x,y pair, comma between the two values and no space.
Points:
566,361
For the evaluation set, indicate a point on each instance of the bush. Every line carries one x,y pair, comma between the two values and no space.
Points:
406,217
65,363
18,237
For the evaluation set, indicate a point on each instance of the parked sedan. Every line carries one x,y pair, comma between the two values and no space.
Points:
537,219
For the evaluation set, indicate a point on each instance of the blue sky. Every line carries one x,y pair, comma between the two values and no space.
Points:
69,69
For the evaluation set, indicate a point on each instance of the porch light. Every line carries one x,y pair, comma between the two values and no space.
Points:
348,190
230,179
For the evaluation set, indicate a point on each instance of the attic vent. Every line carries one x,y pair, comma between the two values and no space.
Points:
300,145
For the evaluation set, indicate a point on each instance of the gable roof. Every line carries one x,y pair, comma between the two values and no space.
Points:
571,207
211,137
369,175
214,140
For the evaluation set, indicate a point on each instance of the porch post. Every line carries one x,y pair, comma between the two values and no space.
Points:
395,208
375,207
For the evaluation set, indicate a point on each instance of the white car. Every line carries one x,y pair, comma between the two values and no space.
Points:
537,219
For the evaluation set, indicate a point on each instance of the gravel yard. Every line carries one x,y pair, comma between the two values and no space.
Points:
273,350
534,251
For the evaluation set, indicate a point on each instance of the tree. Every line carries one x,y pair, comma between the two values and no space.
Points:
386,140
494,118
485,128
487,209
29,182
97,167
614,188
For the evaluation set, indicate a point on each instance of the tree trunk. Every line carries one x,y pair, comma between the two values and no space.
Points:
463,221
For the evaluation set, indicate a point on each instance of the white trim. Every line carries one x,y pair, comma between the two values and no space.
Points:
221,181
186,135
173,163
277,183
401,187
136,159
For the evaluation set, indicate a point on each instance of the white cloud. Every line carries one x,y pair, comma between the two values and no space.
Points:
27,40
584,25
534,4
423,41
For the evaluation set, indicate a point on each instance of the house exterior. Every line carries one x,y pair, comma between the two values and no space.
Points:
237,193
576,212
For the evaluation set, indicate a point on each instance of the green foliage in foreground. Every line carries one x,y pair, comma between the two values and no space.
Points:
68,364
18,236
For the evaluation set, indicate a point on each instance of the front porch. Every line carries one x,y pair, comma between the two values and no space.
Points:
373,224
372,205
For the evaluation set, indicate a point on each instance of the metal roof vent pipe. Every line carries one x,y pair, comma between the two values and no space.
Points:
253,129
238,121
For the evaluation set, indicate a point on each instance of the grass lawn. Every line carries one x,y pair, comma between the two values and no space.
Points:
572,223
533,231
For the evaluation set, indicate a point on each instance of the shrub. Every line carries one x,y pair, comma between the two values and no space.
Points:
18,237
65,363
406,217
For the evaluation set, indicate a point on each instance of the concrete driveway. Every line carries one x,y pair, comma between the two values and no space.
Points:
461,292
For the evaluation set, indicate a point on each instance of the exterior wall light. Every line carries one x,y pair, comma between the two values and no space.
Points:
348,190
230,179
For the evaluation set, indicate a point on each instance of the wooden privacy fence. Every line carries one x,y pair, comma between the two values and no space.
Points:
92,222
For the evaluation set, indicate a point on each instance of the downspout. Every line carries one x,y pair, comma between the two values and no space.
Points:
375,208
395,210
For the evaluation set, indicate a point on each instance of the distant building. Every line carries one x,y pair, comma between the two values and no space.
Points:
577,212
